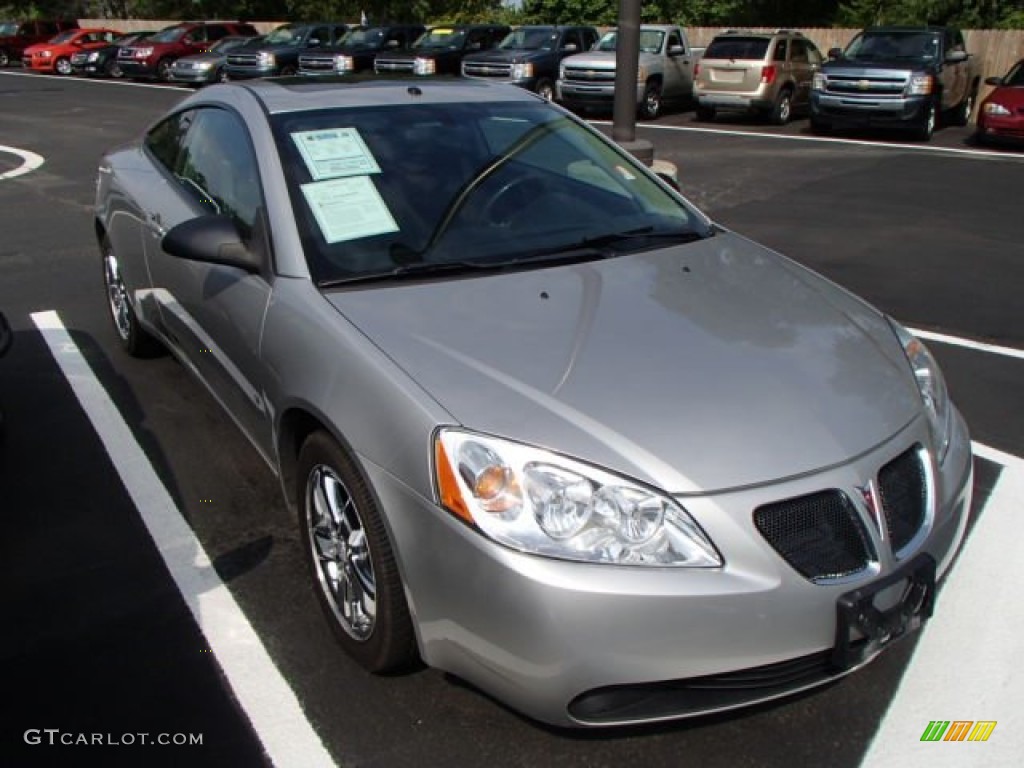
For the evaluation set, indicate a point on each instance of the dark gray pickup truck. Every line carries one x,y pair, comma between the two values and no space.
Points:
896,76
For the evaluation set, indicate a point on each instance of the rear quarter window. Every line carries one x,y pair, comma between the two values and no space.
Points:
748,48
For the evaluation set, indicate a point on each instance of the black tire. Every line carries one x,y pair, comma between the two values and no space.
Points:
925,126
650,107
965,110
134,339
62,66
705,114
351,561
288,70
222,76
546,89
163,69
782,111
113,69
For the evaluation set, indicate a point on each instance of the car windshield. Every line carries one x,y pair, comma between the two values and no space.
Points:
8,29
890,45
441,37
285,34
368,37
63,37
1015,76
741,48
378,191
168,35
650,41
132,37
530,39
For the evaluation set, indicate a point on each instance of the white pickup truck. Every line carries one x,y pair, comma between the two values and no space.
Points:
587,80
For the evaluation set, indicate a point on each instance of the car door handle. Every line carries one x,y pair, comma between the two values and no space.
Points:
156,223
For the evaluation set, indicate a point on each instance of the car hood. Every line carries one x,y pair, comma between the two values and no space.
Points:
702,367
206,56
860,65
509,56
596,59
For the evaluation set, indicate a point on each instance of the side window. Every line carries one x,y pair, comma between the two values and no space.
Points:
477,40
674,39
572,37
218,167
590,39
323,34
165,139
813,54
780,51
799,52
215,32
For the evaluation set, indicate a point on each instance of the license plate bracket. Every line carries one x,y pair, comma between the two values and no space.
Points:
864,629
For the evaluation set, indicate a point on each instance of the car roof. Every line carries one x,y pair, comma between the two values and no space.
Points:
300,94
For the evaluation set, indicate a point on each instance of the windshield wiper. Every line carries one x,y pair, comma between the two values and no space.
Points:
413,270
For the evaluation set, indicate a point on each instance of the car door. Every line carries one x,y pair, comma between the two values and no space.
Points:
677,82
213,314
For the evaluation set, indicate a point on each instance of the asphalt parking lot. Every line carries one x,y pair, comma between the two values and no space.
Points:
102,639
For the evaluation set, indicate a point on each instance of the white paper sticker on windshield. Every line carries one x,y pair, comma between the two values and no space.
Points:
335,153
347,209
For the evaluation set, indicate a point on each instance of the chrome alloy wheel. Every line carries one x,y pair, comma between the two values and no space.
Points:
337,539
117,297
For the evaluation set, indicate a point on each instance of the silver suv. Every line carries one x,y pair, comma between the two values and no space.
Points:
765,72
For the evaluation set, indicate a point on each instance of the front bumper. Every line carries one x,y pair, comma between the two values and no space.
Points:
576,644
865,112
193,76
38,65
585,96
1009,128
138,68
251,73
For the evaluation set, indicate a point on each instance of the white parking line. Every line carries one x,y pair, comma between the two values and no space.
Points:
966,666
930,148
285,733
97,81
958,341
29,161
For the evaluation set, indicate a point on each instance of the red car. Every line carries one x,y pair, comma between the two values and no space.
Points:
151,59
55,56
1001,116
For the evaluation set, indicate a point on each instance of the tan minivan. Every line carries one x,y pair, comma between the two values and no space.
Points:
764,72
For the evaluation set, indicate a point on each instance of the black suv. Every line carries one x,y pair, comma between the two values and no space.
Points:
529,57
278,52
357,50
440,50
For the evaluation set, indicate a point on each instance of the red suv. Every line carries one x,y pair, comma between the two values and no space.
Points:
152,58
16,36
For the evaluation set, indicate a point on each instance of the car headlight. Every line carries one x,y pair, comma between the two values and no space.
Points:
818,81
424,66
47,54
542,503
994,108
143,53
522,71
267,59
561,71
343,64
204,66
932,385
94,56
920,85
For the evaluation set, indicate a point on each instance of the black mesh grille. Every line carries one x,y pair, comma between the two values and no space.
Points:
903,486
820,535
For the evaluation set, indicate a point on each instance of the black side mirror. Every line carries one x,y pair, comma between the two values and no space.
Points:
213,239
993,81
835,53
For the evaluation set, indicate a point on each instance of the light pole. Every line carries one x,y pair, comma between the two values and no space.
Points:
627,62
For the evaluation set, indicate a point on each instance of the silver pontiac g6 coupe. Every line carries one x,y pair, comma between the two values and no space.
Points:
541,422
